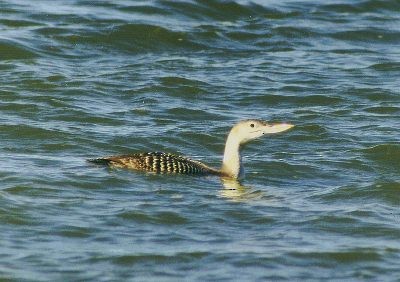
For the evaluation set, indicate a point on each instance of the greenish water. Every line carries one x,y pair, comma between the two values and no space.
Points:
82,79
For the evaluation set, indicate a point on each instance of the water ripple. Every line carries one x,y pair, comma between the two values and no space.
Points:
84,79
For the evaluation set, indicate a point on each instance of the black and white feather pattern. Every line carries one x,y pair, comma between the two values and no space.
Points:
157,162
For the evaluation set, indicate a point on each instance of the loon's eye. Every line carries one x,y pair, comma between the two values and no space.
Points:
252,125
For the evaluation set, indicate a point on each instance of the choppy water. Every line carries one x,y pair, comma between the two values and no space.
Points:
81,79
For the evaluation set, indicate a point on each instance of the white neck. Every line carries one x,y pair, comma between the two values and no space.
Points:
232,162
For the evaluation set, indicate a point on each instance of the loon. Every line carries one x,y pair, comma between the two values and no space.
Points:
159,162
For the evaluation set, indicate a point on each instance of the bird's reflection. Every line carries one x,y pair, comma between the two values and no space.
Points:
235,191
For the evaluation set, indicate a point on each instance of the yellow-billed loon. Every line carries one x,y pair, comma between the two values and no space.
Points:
158,162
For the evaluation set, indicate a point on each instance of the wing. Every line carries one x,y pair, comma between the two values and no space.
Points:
157,162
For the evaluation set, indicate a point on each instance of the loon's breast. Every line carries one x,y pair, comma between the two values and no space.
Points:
157,162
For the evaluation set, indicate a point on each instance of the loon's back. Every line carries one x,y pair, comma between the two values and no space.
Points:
157,162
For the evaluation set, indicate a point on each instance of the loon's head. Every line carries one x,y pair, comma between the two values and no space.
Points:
247,130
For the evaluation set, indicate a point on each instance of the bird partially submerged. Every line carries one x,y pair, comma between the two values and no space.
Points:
232,167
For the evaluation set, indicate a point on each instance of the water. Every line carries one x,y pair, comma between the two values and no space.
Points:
83,79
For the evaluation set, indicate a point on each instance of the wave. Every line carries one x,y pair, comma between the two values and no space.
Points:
363,7
387,153
185,257
385,160
12,50
389,110
387,192
165,217
204,10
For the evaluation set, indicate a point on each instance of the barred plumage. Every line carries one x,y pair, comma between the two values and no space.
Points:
157,162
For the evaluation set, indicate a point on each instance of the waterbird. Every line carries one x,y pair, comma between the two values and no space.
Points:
232,167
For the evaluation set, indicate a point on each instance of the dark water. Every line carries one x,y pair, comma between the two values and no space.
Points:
81,79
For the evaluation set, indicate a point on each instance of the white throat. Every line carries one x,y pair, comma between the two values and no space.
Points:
232,162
